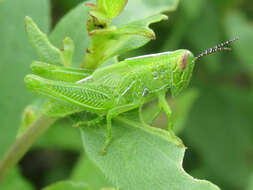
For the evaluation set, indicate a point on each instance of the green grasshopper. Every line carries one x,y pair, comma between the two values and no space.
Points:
124,86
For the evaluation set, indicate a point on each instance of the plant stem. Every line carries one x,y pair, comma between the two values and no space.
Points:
23,143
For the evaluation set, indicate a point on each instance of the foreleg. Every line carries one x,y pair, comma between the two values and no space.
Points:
163,104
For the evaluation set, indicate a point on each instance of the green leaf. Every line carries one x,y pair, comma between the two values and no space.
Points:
15,56
112,8
220,131
86,170
15,181
237,25
141,27
140,157
140,9
73,25
107,43
42,45
103,12
130,35
68,185
129,39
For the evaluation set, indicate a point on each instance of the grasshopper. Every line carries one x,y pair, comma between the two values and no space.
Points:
124,86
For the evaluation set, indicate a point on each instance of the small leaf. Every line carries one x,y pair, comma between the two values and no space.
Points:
42,45
130,36
68,51
140,27
136,10
112,8
103,12
68,185
73,26
114,41
140,157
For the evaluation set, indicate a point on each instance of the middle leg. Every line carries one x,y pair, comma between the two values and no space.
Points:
110,115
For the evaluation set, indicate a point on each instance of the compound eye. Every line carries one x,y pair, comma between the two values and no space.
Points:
183,61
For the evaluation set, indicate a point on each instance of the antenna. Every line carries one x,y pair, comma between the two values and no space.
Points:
217,48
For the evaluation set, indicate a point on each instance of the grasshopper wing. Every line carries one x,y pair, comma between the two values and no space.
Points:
89,96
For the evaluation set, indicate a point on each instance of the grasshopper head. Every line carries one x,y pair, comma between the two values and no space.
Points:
184,64
182,70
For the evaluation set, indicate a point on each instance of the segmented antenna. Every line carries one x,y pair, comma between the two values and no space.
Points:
219,47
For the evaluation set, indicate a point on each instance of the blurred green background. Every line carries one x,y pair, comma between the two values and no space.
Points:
218,130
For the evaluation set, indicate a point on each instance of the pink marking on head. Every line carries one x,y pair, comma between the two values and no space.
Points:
90,4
